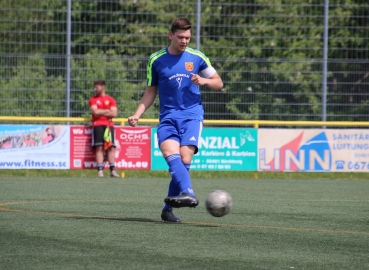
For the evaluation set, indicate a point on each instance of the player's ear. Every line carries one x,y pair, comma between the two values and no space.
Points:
170,35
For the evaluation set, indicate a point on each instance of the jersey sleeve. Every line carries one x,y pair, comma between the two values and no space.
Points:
92,101
113,103
206,70
152,78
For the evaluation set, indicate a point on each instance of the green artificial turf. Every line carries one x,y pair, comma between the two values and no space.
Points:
68,222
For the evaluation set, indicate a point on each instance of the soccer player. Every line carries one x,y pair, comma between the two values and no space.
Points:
175,73
103,108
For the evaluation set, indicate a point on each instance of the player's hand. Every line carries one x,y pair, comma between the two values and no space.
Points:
133,121
196,79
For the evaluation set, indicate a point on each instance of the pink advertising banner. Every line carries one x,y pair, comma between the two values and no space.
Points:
314,150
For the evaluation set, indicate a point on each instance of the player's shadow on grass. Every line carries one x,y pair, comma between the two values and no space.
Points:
147,220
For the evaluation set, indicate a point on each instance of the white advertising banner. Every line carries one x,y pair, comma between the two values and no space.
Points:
314,150
34,147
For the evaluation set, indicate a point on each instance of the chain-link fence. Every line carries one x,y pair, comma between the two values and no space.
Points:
278,61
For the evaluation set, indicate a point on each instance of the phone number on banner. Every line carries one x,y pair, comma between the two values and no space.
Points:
358,165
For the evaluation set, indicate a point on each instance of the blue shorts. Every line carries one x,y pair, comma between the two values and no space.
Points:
184,131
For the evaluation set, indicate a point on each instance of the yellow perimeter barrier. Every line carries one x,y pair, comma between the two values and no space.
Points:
254,123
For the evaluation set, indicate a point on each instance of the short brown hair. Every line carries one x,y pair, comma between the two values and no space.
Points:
180,24
99,82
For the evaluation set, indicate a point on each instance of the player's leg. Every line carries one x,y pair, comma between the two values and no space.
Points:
170,147
180,193
189,132
190,138
97,144
111,155
167,212
173,190
177,169
168,140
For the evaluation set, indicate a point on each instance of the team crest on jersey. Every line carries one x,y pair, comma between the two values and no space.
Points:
106,102
189,66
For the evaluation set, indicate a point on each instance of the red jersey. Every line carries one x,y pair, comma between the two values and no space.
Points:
102,103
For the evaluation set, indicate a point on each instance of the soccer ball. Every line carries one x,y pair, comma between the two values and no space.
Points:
218,203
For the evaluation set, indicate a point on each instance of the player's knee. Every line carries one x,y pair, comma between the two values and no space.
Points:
187,152
186,158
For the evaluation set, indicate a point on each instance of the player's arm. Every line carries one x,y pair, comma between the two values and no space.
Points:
146,101
110,113
214,82
209,78
96,111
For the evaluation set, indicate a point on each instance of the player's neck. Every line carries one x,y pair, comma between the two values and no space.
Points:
173,51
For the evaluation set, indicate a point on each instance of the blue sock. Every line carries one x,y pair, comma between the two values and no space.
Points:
188,166
173,190
179,173
180,181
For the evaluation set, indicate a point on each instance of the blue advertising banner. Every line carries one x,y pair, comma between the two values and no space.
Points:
222,149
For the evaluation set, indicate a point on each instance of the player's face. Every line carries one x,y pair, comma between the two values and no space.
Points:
99,90
180,40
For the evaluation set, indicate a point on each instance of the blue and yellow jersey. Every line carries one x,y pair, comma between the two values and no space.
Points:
179,97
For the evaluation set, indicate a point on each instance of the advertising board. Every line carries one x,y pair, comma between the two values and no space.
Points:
132,148
223,149
314,150
34,147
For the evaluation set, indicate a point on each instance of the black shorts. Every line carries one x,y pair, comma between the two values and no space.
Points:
98,135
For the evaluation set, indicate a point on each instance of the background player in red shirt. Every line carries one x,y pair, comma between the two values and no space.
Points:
103,108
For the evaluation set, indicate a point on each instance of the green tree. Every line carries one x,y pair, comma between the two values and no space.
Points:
32,26
27,90
268,54
278,68
119,73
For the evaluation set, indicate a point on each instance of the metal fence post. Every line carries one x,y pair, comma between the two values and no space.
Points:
325,59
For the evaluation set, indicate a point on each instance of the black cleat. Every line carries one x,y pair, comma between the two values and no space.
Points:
182,200
169,216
